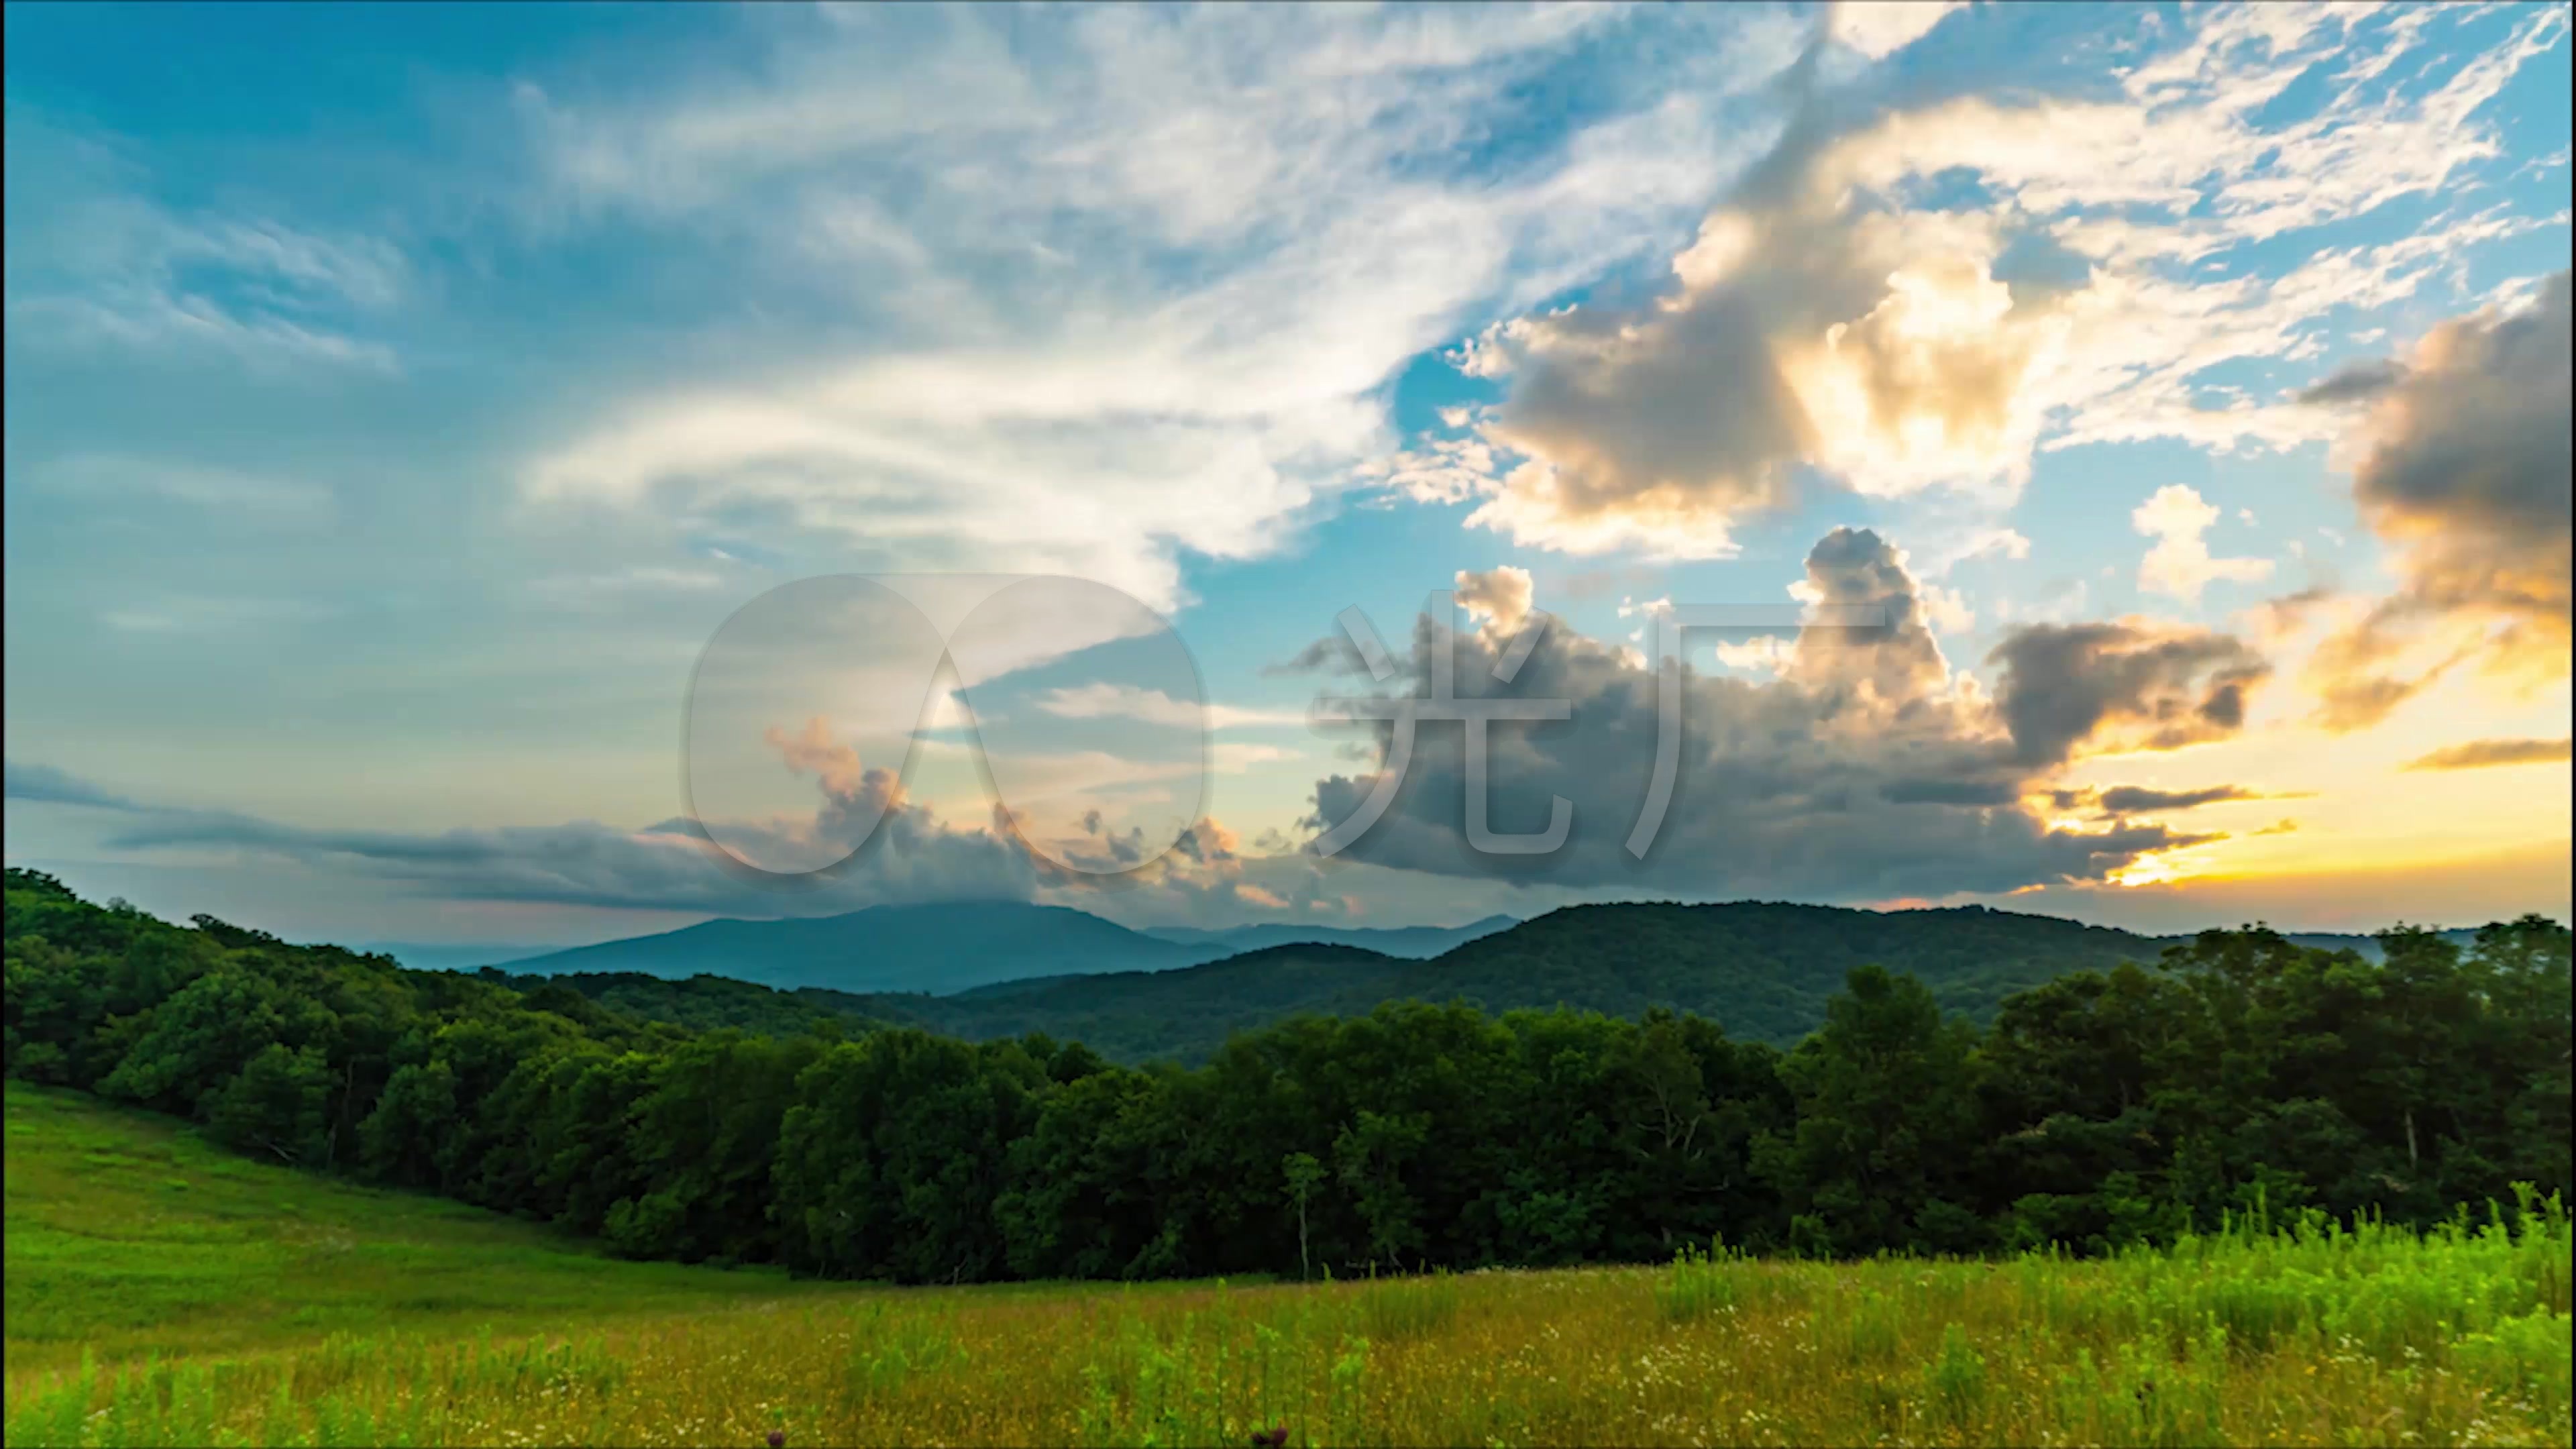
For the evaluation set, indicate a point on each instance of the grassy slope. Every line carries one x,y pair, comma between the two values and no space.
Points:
322,1314
128,1235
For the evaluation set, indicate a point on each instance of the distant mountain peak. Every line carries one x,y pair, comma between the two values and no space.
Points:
911,946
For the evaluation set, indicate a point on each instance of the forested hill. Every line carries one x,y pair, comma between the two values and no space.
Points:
933,947
1762,972
2243,1073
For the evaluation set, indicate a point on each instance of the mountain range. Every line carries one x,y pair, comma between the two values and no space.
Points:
932,948
996,968
946,947
1763,971
1414,942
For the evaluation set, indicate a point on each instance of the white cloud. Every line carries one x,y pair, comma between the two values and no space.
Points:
1499,598
1261,217
1946,610
1153,706
1230,758
2180,564
2002,541
1880,28
614,587
1768,654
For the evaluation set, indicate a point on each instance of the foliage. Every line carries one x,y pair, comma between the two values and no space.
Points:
2100,1110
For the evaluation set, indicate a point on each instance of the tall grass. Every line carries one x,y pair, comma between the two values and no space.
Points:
1392,1309
2299,1332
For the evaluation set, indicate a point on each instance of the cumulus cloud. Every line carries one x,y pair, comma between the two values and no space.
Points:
1865,769
1834,315
1498,598
1880,28
1947,611
2468,469
2180,564
2130,685
2464,474
2480,754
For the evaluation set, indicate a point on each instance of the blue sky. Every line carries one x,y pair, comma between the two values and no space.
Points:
400,398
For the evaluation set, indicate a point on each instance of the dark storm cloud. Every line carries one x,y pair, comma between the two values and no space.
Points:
2467,480
2133,799
1861,772
2120,800
2470,466
1950,792
2161,687
2356,382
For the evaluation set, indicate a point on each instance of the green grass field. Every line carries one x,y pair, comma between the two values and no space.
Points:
163,1292
128,1236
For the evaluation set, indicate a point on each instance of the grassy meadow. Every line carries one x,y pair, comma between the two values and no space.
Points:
163,1292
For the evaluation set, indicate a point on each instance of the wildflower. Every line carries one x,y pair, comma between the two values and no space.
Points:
1275,1435
777,1439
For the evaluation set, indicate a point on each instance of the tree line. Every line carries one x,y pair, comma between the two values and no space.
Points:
2099,1109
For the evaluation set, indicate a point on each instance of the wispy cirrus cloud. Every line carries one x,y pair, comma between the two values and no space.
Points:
1170,257
97,261
212,614
2484,754
231,494
1153,706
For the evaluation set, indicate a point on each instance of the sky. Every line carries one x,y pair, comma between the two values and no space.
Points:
487,474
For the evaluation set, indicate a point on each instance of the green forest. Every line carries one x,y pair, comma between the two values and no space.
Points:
2240,1074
